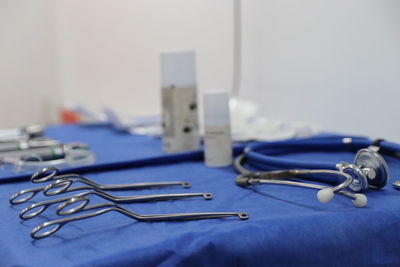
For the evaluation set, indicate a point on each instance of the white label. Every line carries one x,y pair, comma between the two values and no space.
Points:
217,146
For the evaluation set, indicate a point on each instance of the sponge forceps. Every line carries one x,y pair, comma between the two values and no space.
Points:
37,208
56,225
63,185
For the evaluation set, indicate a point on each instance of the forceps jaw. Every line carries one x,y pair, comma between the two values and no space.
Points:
207,196
243,216
186,184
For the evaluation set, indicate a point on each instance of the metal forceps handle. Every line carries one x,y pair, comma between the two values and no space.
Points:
51,173
37,208
58,223
63,185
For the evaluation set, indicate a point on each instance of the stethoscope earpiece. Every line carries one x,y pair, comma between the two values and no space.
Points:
360,201
325,195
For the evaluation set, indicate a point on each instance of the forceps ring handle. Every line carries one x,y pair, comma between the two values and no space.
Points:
30,193
44,175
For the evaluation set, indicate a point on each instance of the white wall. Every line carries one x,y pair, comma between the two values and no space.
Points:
332,63
27,78
109,50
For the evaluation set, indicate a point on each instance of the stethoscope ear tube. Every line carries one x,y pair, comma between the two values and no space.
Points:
337,143
325,194
270,162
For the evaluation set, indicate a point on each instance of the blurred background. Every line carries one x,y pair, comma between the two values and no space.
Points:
335,64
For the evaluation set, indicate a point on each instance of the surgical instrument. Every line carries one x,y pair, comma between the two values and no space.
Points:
55,155
368,171
107,207
63,185
369,168
324,195
37,208
25,144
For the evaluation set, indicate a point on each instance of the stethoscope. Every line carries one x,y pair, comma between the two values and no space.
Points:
369,169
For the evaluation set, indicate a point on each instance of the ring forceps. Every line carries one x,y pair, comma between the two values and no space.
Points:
63,185
37,208
58,223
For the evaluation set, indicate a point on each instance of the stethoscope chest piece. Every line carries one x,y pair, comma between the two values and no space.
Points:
360,181
373,166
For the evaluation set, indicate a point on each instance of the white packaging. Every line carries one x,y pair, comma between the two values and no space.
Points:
217,129
179,102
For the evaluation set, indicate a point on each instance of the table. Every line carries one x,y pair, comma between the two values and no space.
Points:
287,225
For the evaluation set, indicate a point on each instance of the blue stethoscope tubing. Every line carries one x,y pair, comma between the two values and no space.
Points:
263,155
369,170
